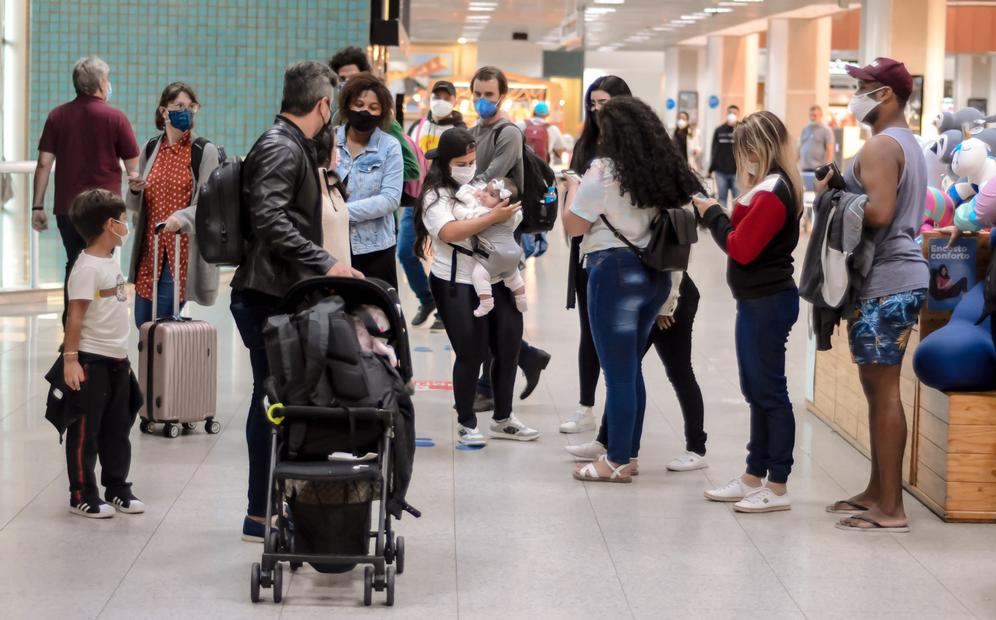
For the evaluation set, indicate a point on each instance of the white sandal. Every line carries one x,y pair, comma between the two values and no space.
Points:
589,473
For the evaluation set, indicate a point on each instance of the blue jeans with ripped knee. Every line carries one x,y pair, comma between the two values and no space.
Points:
624,298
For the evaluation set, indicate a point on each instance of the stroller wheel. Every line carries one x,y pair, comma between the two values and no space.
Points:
254,583
390,586
399,555
368,585
278,583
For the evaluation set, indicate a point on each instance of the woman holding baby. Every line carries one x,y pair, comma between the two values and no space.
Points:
456,218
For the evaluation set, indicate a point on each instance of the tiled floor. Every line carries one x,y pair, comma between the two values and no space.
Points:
506,532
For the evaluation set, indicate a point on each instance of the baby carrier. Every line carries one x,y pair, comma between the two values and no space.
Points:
343,433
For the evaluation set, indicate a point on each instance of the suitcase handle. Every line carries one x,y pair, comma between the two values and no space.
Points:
156,232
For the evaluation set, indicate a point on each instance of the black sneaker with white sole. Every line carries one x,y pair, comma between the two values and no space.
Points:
128,504
92,509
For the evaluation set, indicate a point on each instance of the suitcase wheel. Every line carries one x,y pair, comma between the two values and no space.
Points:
171,430
145,426
212,426
189,426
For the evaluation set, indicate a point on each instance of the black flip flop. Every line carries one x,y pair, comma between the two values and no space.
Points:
857,508
875,526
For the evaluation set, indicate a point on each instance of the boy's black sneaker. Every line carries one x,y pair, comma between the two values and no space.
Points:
128,503
92,509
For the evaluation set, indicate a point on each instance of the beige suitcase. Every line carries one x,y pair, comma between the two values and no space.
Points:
178,366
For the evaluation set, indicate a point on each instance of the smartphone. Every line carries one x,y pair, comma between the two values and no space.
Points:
836,178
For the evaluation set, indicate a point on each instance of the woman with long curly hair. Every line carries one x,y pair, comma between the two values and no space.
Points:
599,93
759,239
637,172
451,280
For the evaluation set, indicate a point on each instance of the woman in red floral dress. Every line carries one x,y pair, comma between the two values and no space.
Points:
172,166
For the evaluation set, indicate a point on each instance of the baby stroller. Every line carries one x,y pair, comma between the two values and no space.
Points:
343,435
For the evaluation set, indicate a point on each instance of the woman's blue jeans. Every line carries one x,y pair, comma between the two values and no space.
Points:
624,298
762,331
143,306
414,270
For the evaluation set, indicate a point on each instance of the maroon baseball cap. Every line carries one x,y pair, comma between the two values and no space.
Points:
887,72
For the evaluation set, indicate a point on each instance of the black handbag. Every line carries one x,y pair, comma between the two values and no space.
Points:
672,233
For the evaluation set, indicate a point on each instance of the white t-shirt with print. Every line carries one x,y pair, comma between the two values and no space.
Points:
105,324
599,195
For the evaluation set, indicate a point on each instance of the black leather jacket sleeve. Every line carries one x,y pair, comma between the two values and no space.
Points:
272,192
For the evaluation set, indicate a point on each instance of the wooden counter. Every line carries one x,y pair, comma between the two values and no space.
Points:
950,459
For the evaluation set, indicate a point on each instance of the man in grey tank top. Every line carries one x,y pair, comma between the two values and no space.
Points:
890,169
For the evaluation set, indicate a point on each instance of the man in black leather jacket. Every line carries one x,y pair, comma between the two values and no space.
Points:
282,201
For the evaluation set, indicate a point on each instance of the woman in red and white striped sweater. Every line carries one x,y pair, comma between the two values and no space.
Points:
759,239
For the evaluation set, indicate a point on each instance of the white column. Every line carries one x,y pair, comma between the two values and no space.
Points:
711,85
991,103
798,69
672,83
16,235
777,85
963,80
876,34
911,31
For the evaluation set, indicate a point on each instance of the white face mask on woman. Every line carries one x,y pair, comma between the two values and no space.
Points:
682,123
463,175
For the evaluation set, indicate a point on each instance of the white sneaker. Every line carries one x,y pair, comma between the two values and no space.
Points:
92,511
733,491
586,451
763,500
689,461
470,436
512,428
582,420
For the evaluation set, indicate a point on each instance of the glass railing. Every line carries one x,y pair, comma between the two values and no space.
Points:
29,259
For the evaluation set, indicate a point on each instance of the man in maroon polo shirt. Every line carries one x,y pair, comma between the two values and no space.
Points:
88,137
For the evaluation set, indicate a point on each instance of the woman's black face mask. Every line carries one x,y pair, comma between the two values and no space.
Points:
363,121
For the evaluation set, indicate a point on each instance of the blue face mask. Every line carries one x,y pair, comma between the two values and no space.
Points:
181,119
485,108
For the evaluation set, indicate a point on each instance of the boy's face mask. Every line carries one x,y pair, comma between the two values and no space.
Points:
122,237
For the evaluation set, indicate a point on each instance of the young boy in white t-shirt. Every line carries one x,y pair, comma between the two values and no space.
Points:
95,362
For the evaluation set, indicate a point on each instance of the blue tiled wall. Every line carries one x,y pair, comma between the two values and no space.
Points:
233,52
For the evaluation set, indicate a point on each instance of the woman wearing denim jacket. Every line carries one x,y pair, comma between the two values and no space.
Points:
636,172
371,167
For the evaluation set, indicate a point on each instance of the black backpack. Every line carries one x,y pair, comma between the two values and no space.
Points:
538,193
218,222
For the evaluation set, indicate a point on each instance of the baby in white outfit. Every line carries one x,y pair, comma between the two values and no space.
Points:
497,253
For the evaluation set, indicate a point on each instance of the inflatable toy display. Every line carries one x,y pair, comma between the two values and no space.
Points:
973,162
960,356
956,120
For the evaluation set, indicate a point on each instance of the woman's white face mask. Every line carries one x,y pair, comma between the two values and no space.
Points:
463,174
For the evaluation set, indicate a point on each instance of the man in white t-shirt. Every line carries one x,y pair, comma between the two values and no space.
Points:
96,369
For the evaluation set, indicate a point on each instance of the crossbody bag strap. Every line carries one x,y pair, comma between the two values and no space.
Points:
620,236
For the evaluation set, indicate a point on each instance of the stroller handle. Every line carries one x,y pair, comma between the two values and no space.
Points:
305,287
334,413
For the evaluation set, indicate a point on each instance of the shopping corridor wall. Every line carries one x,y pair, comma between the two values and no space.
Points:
233,52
